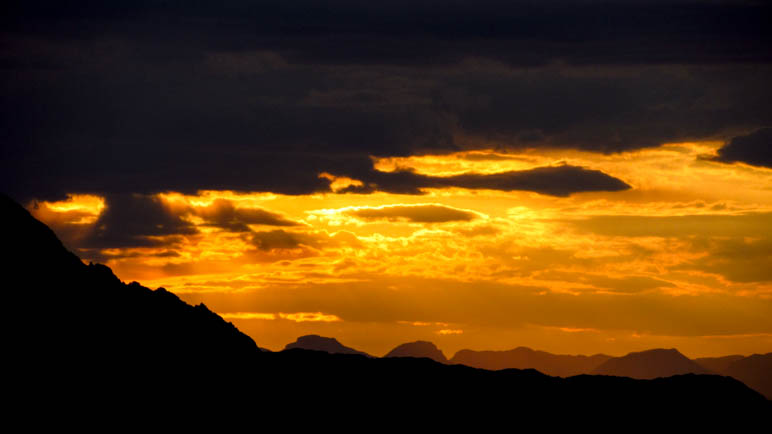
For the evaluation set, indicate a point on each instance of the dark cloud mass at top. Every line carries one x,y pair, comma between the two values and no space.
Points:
754,149
139,97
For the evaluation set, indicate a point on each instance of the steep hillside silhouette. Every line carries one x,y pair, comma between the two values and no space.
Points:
418,349
650,364
85,311
320,343
526,358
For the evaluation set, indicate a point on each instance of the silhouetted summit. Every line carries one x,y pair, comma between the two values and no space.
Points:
526,358
650,364
418,349
320,343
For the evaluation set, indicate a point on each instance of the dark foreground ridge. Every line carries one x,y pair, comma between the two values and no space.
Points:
80,341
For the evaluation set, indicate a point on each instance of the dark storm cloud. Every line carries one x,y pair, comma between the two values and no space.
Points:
561,180
135,221
754,149
142,97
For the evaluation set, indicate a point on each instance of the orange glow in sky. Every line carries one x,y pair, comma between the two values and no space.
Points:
682,259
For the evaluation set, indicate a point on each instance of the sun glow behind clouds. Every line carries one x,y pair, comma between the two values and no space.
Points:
681,256
76,209
296,316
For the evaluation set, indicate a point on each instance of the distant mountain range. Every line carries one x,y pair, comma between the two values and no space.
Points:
755,370
80,343
526,358
650,364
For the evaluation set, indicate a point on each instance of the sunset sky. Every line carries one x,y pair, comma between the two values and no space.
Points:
574,176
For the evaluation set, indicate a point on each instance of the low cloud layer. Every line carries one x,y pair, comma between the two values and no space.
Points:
423,213
561,180
223,214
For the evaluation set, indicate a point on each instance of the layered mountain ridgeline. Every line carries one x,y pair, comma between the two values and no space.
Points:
320,343
79,340
755,370
718,364
650,364
526,358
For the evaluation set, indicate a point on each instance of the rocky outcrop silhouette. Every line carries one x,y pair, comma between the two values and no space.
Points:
650,364
320,343
418,349
526,358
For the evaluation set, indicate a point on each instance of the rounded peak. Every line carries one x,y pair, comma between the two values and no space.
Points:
670,352
322,343
316,338
423,349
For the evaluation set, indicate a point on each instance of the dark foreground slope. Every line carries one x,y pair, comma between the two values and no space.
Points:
80,343
74,311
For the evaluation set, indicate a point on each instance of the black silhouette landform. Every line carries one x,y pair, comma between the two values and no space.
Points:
81,342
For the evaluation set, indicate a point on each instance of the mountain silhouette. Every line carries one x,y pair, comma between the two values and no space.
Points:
320,343
86,310
650,364
717,364
526,358
82,345
418,349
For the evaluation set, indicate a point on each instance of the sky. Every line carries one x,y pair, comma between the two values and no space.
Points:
577,176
